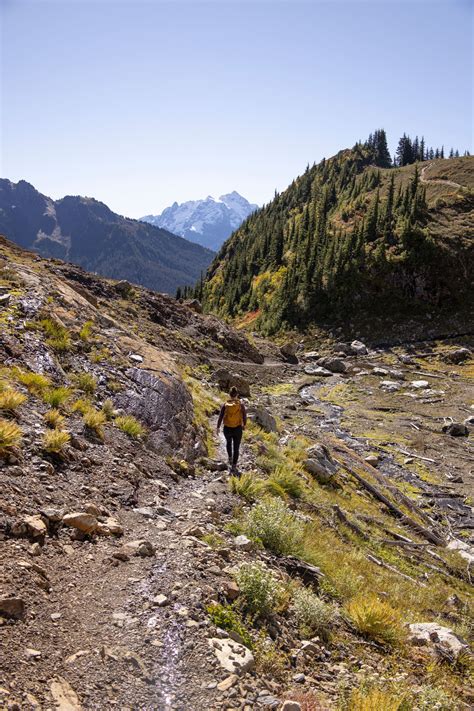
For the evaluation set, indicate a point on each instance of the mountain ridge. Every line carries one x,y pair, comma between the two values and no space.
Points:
85,231
350,238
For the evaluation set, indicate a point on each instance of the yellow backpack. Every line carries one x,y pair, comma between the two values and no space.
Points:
233,413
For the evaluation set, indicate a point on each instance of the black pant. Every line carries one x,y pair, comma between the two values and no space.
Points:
233,437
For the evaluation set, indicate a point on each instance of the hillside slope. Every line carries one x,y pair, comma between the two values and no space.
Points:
85,232
137,574
350,240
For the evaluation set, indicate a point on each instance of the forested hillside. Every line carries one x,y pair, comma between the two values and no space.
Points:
356,234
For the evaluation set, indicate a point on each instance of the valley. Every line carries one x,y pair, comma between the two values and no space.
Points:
334,573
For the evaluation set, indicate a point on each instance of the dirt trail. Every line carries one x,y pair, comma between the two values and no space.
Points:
423,179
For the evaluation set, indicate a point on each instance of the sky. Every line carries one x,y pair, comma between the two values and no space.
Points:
141,103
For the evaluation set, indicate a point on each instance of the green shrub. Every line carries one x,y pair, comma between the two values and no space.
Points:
10,435
108,409
53,418
56,397
82,405
288,481
247,486
85,382
55,441
273,524
10,400
94,420
35,382
260,591
213,540
314,615
227,618
375,619
86,331
130,426
58,337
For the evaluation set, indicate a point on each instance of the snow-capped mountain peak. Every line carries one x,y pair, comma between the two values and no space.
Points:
209,221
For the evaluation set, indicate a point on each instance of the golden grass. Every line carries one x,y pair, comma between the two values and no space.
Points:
131,426
10,435
53,418
10,401
55,441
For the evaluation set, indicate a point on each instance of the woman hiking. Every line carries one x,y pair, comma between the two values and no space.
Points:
234,416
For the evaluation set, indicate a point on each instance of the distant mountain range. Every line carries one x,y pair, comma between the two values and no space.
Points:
208,222
86,232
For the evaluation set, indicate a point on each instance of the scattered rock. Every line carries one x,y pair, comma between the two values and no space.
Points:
226,380
195,305
372,459
124,288
456,429
335,365
358,348
457,356
230,589
136,357
390,386
141,548
4,299
82,521
12,607
30,527
263,417
311,355
64,696
227,683
213,465
291,705
160,600
379,371
432,634
243,543
110,527
32,653
419,384
320,464
318,370
232,656
288,351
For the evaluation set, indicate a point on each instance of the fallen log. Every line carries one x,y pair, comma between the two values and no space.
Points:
350,524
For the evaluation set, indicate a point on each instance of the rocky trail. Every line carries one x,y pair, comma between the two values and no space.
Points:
425,179
122,552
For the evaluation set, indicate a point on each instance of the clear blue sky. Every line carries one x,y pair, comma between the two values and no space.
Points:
141,103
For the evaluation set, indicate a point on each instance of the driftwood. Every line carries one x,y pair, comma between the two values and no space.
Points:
400,496
421,530
382,564
350,524
416,456
408,544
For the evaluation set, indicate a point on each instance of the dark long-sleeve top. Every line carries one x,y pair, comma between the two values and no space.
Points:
242,409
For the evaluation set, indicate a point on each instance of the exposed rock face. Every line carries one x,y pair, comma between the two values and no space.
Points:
226,380
434,635
233,657
162,402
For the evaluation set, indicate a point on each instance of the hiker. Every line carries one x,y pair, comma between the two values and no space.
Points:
234,415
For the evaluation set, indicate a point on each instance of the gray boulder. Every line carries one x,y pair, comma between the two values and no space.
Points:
311,355
320,464
335,365
194,305
439,638
162,402
456,429
318,370
225,379
262,417
458,356
288,351
358,348
232,656
123,288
